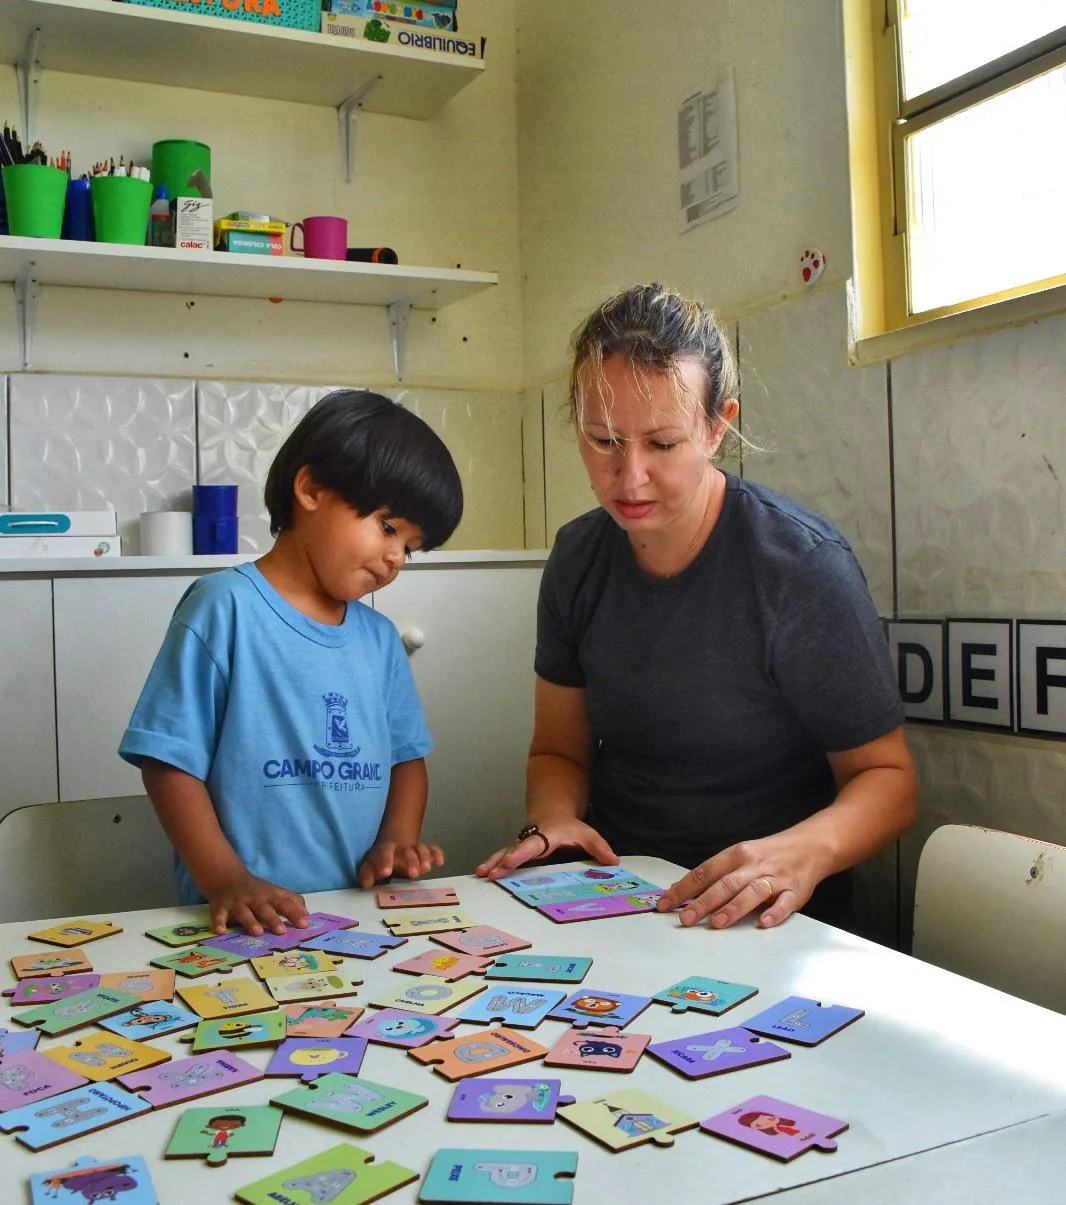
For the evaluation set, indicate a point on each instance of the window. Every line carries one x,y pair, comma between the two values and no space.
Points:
957,123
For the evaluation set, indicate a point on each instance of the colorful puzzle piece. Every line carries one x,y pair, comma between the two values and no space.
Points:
349,1101
802,1020
75,932
596,1007
418,897
185,933
286,963
343,1175
326,1019
147,985
714,996
775,1127
71,1114
292,988
605,1050
716,1052
624,1119
308,1058
601,906
11,1042
49,987
427,994
229,1130
442,965
318,924
50,962
524,1007
104,1056
479,1052
61,1016
429,922
401,1027
223,1033
231,999
194,961
506,1100
155,1019
554,968
88,1180
482,939
186,1079
243,945
529,1177
357,945
29,1076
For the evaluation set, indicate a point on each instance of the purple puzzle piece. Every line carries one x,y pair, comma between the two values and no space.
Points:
397,1027
244,945
592,1006
318,923
775,1127
506,1100
600,906
29,1076
185,1079
49,987
799,1019
309,1058
715,1052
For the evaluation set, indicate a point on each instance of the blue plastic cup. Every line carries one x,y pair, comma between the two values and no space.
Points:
215,500
214,519
78,215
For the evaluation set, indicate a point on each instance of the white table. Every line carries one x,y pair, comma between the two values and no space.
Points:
936,1060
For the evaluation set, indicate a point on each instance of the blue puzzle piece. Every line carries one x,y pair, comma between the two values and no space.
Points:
528,1177
521,1007
799,1019
80,1111
590,1006
356,945
89,1180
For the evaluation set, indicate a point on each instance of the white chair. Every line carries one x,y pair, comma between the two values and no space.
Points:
992,906
83,857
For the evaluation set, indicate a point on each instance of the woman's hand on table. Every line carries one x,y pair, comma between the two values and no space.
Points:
773,876
255,905
568,833
387,858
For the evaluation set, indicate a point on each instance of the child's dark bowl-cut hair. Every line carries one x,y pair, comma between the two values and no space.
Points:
375,455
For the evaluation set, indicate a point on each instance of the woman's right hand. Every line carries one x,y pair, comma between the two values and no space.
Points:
559,834
255,904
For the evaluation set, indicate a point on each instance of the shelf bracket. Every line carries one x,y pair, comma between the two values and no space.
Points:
28,73
346,114
398,313
27,290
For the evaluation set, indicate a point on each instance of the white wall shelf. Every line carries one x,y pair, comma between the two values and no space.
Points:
213,54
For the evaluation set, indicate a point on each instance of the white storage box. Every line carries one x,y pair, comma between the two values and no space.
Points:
57,546
58,523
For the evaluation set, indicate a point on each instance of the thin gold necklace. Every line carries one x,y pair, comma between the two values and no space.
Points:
699,531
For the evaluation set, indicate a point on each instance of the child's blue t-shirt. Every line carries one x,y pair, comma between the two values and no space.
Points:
293,725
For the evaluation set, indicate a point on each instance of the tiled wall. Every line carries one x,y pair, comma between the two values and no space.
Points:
131,444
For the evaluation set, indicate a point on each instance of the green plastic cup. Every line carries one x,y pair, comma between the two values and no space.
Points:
175,161
36,197
120,209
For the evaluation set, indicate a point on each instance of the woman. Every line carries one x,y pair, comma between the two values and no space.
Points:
713,685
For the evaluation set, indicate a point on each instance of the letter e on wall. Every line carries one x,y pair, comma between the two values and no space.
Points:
980,673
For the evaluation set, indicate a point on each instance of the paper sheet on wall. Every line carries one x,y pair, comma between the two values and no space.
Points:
708,179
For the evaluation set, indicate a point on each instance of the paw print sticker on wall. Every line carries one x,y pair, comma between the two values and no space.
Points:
812,265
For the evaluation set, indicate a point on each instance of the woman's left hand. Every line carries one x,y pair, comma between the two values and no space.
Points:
773,875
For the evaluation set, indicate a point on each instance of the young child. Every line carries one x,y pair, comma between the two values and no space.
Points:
279,734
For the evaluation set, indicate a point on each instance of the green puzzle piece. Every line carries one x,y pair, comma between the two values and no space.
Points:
526,1177
343,1175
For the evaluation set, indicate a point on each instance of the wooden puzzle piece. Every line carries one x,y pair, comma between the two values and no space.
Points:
802,1020
12,1041
482,939
523,1007
89,1180
185,933
429,922
346,1100
308,1058
231,999
401,1027
522,882
147,985
61,1016
228,1130
158,1018
775,1127
186,1079
715,996
554,968
343,1175
529,1177
507,1100
104,1056
71,1114
194,961
443,965
27,966
30,1076
602,906
427,994
326,1019
318,924
287,963
293,988
75,932
478,1052
37,990
418,897
223,1033
702,1054
244,945
357,945
624,1119
605,1050
596,1007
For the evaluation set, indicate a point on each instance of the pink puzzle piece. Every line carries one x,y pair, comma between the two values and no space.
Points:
481,939
444,964
605,1050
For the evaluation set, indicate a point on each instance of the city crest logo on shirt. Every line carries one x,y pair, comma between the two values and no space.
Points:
338,768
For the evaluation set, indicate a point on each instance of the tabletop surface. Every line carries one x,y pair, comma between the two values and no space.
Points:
935,1061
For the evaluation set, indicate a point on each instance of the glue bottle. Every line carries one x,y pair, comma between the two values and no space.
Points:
160,228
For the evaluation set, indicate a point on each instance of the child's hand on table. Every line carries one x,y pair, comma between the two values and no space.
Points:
256,904
387,858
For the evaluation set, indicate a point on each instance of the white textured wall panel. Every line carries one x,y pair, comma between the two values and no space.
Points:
3,441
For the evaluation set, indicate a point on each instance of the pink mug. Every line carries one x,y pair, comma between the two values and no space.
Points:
323,237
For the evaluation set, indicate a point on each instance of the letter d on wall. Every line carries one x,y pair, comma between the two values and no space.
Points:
917,649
